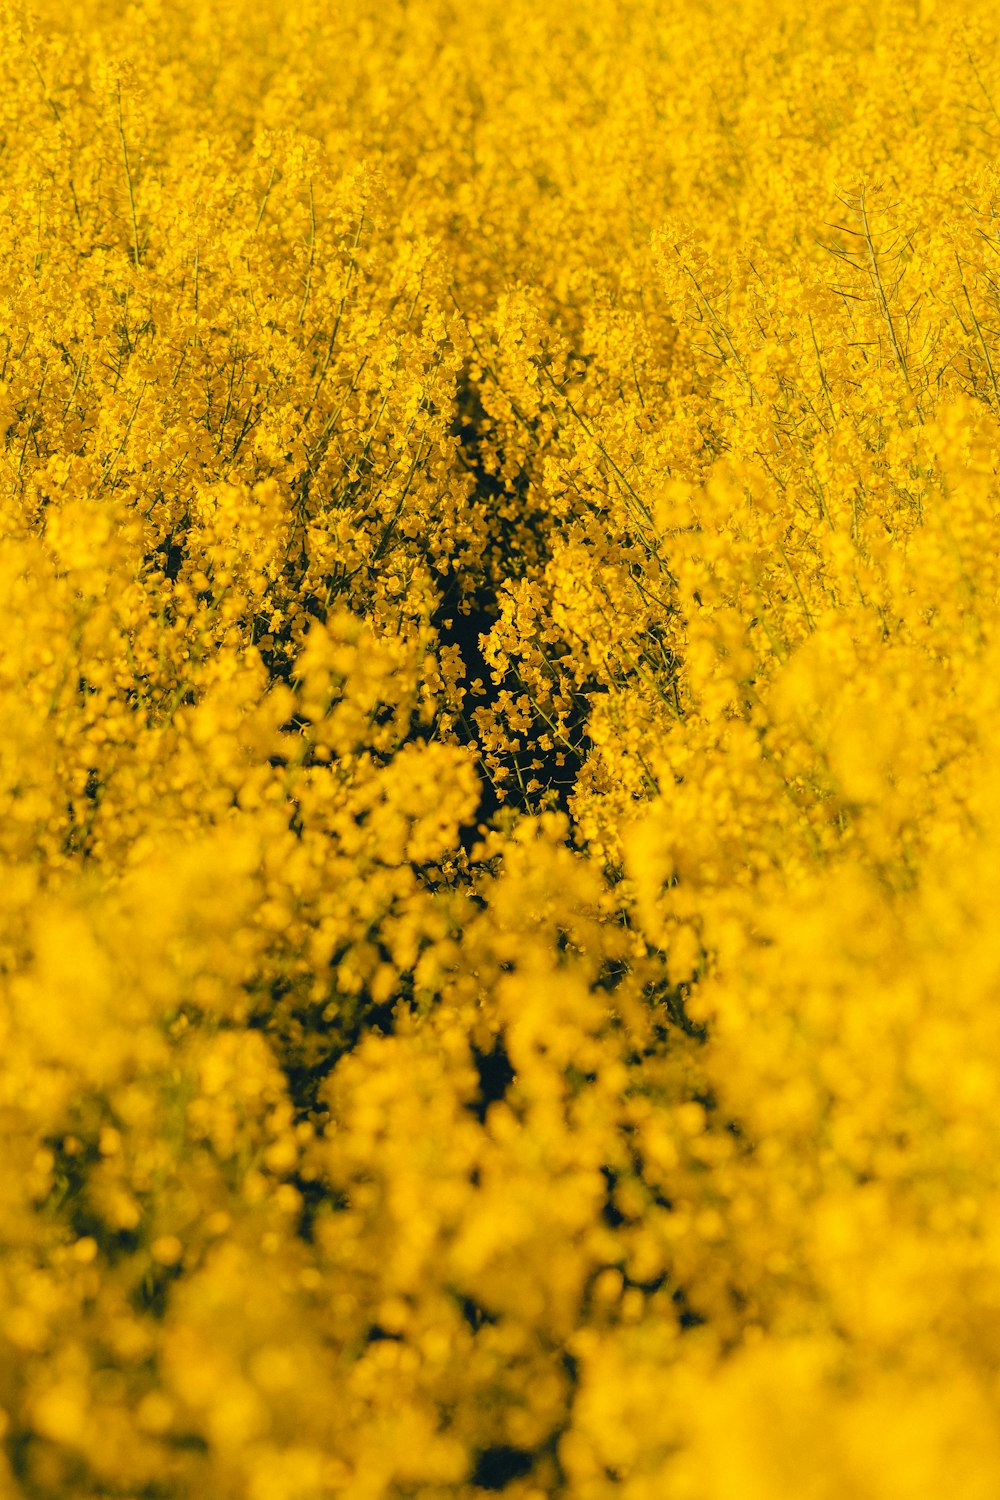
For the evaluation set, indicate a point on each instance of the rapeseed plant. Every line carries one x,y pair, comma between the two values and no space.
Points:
499,817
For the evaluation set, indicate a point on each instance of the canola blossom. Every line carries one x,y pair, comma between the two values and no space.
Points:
499,723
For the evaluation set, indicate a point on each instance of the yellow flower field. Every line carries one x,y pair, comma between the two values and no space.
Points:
500,750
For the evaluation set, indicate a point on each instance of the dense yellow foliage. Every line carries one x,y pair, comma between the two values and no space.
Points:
499,723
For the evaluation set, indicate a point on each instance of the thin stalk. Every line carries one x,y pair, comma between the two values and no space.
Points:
128,178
